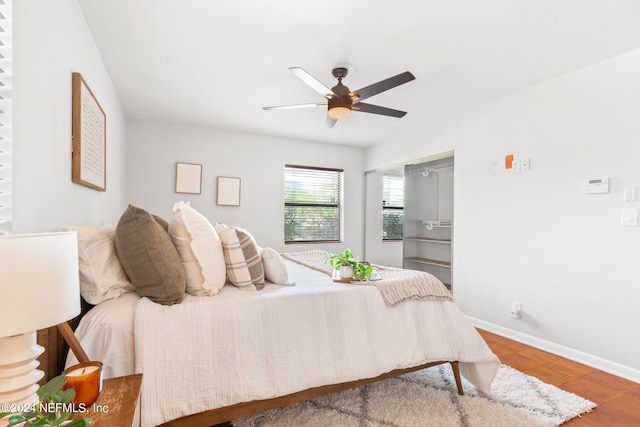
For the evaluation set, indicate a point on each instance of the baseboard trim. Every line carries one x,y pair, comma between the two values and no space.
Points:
576,355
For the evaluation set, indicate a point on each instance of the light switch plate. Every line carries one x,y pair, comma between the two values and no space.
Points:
629,193
629,217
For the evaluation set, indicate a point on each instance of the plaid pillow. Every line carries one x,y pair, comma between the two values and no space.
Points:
237,270
252,257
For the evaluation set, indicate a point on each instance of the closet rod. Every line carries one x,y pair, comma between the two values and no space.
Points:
425,171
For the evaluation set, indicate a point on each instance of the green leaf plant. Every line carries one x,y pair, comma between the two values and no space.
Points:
54,408
361,270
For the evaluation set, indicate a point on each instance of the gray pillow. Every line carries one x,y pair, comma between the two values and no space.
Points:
251,257
149,257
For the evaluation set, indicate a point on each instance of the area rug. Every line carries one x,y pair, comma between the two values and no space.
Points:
429,398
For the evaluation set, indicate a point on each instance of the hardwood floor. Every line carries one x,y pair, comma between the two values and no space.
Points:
618,399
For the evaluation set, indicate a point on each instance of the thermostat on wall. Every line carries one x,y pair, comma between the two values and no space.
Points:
596,185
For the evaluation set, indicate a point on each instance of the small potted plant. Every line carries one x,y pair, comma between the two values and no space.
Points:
343,262
348,266
54,408
362,271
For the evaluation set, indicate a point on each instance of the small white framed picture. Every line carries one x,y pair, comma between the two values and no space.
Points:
188,178
228,193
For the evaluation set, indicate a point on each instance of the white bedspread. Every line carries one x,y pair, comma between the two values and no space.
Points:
106,334
240,345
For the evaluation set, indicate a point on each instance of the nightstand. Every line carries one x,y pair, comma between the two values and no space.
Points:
116,404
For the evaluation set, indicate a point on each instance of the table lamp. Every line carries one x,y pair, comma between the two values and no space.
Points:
39,288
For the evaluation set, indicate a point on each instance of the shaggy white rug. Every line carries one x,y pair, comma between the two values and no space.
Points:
429,398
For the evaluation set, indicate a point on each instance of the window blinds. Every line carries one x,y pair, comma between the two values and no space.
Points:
6,75
313,204
392,207
393,191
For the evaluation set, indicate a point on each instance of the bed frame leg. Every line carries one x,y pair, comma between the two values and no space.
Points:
456,375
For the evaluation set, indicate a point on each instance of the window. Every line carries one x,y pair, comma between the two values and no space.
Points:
6,73
392,207
312,204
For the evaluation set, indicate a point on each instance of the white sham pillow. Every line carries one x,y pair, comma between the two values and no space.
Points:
101,274
275,269
200,250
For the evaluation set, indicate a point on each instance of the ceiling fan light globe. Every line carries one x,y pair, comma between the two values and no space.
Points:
339,112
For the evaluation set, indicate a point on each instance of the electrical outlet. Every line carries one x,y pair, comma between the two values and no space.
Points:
629,217
516,310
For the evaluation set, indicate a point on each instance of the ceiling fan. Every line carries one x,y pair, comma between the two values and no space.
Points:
341,101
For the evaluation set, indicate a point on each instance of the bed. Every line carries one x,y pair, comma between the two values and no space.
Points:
208,360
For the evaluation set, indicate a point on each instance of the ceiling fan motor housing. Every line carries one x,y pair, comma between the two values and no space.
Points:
340,102
337,102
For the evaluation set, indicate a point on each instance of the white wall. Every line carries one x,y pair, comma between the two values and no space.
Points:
377,250
154,148
50,41
535,237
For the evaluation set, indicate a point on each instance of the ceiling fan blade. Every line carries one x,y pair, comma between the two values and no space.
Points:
331,122
376,109
312,81
291,107
381,86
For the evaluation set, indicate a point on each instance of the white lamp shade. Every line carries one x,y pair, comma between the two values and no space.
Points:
339,112
39,281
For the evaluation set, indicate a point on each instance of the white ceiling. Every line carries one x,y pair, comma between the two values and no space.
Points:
217,63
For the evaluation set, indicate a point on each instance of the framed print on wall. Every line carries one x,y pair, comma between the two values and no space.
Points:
89,137
188,178
228,193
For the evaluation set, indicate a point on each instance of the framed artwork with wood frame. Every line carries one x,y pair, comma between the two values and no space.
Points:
89,137
188,178
228,193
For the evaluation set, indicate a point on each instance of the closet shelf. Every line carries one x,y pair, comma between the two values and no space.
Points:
420,260
429,239
428,219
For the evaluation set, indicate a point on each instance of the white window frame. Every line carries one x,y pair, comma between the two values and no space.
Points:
392,201
314,179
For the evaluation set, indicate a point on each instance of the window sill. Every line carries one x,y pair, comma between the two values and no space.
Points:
315,242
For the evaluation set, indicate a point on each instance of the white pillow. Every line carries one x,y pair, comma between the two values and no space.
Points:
101,275
200,250
275,270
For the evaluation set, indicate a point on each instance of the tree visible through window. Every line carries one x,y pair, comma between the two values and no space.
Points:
312,204
392,207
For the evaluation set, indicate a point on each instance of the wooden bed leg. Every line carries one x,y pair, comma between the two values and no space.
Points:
73,342
456,375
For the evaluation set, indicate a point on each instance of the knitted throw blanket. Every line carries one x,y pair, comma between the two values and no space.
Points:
396,284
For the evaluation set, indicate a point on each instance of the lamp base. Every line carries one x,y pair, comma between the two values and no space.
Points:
18,374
